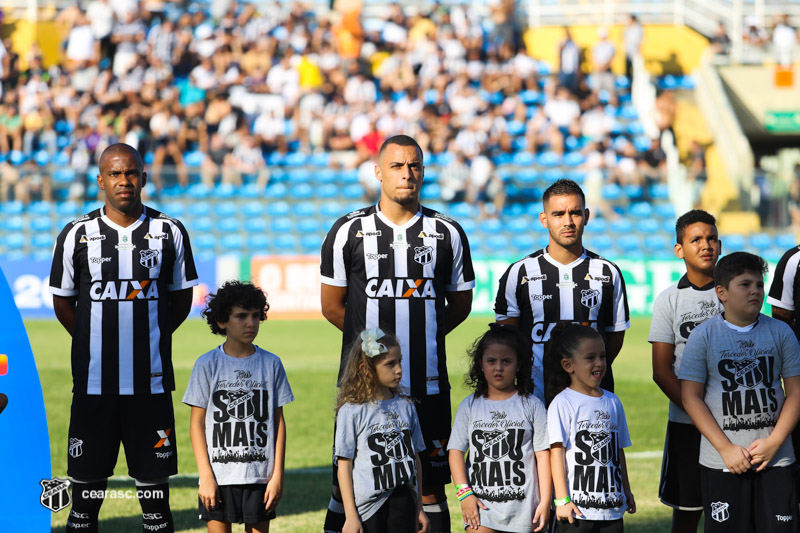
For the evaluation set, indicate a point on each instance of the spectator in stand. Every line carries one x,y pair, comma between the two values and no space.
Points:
653,164
784,40
720,42
127,36
603,78
101,19
10,128
485,186
754,33
633,36
454,178
569,65
246,159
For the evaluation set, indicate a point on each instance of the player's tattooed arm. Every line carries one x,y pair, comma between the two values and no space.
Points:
65,311
784,315
333,301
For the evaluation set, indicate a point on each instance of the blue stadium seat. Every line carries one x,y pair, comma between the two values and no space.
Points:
224,190
278,209
430,191
517,226
325,175
64,175
319,159
198,191
665,211
61,159
310,225
42,255
530,97
13,223
67,209
278,175
41,224
174,209
299,175
525,243
622,82
659,191
733,242
249,190
286,243
257,243
231,242
252,209
656,241
14,241
635,128
199,209
621,226
612,191
461,210
598,224
281,225
628,112
42,241
205,256
276,191
311,243
255,224
304,209
201,225
578,176
548,159
523,158
647,225
39,208
12,208
598,242
574,159
331,209
193,159
327,191
628,242
296,159
228,225
468,225
641,210
786,241
352,192
275,159
760,242
515,127
348,176
225,209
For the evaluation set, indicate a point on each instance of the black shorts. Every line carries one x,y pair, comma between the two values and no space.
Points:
680,468
435,419
239,504
589,526
145,424
398,514
763,502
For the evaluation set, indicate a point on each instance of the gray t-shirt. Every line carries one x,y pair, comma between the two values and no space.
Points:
676,312
592,430
502,437
240,395
382,439
742,373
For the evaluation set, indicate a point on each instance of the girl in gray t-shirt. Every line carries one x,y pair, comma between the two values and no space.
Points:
377,442
505,483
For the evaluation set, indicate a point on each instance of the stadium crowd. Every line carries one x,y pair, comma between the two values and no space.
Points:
226,90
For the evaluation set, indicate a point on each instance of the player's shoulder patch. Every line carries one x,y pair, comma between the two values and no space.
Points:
82,218
440,216
357,213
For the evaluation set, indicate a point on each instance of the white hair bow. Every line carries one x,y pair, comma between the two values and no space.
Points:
370,344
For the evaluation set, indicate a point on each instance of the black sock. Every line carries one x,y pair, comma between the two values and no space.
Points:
156,514
439,516
334,518
87,498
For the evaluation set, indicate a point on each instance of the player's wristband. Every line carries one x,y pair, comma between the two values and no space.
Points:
461,487
563,501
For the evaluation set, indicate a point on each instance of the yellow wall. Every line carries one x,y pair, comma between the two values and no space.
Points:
667,49
46,33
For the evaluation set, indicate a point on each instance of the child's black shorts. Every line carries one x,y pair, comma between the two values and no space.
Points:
240,504
589,526
680,468
144,424
398,514
764,502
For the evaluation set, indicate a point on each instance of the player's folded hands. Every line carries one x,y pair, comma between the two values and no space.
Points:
762,451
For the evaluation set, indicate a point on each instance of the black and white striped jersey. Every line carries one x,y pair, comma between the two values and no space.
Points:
122,339
540,292
396,279
785,289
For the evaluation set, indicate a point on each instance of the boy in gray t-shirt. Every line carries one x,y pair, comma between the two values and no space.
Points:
677,311
731,388
237,392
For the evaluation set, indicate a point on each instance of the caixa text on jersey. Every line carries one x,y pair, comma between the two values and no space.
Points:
400,288
145,289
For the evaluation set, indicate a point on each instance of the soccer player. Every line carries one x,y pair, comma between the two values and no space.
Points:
564,282
676,312
121,282
730,375
783,295
407,269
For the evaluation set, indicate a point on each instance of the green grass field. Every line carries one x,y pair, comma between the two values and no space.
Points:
309,351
